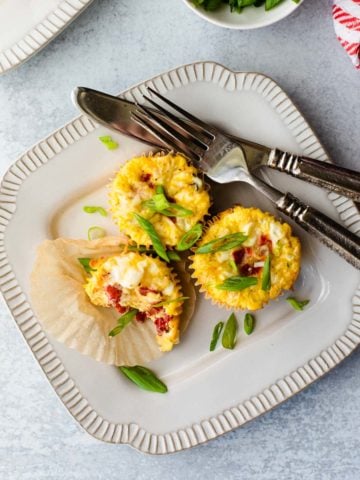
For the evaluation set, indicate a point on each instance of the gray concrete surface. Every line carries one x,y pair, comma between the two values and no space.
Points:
114,44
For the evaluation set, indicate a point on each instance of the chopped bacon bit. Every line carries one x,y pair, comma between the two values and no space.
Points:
146,290
113,293
265,240
162,324
114,296
161,320
121,309
145,177
141,317
155,310
249,270
244,257
239,256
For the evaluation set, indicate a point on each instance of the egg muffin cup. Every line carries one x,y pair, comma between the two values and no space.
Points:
141,283
136,185
268,245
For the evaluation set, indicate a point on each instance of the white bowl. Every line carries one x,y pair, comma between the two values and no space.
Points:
250,18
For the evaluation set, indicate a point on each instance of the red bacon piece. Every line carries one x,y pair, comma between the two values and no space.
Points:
265,240
162,324
145,177
239,256
155,310
141,317
146,290
114,296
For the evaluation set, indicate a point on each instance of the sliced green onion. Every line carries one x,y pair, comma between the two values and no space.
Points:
173,256
190,238
297,304
95,209
166,302
216,335
160,204
237,283
96,232
230,333
222,244
154,237
249,323
266,275
175,210
85,262
269,4
109,143
123,321
207,4
160,189
157,203
233,265
144,378
237,5
138,248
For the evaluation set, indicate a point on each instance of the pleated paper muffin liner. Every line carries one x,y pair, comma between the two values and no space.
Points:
66,312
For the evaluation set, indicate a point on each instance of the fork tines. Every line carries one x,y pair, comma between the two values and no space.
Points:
191,139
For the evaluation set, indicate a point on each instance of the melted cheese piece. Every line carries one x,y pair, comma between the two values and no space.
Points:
126,272
223,256
275,232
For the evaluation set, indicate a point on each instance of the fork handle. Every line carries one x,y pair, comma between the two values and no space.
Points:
333,235
327,175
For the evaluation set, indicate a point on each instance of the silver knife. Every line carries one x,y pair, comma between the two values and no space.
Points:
115,113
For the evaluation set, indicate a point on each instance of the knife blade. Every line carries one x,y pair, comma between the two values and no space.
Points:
115,113
112,112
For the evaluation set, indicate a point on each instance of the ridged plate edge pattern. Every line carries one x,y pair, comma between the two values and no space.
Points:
52,366
39,36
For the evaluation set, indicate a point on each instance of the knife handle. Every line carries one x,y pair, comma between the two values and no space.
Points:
332,234
327,175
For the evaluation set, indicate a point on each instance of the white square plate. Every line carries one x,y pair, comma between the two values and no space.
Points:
27,26
209,393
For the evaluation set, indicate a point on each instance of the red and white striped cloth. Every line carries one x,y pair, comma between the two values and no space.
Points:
346,15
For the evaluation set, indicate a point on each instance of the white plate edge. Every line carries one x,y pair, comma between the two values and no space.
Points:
52,366
41,34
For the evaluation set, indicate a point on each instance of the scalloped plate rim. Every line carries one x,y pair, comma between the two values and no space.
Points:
4,70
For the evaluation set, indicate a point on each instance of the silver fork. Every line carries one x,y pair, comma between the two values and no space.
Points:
224,161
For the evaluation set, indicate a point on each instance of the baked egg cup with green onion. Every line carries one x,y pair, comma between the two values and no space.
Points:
163,189
246,258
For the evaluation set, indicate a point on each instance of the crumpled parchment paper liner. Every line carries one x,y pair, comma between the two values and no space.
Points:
65,310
